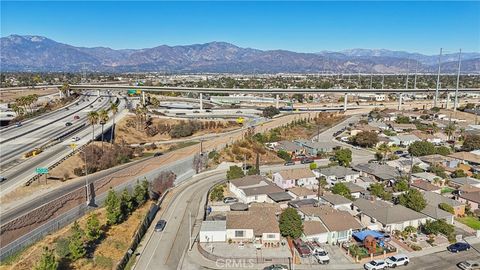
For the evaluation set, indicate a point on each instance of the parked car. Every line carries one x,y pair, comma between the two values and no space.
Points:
302,248
469,265
230,200
321,256
375,265
397,260
459,246
76,117
160,225
2,178
67,124
276,267
306,160
289,163
157,154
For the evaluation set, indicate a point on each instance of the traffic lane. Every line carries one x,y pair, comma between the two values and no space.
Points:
444,260
165,249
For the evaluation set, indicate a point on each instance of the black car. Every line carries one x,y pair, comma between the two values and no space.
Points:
68,124
459,246
157,154
307,160
160,225
289,163
2,178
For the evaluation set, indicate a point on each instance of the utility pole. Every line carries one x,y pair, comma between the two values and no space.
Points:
458,81
408,66
438,79
415,80
189,229
371,81
383,80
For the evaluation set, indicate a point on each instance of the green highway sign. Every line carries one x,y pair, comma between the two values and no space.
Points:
41,170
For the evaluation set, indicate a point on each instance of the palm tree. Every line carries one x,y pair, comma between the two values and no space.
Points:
17,109
93,120
384,149
103,117
65,89
114,109
450,130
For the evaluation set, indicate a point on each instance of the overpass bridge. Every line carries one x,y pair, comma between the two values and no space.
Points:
277,92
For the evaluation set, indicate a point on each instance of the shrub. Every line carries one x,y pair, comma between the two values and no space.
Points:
104,262
61,248
446,207
415,247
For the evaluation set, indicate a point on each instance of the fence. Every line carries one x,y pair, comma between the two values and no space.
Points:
182,168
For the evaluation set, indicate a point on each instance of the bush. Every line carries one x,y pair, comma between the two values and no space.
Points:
415,247
421,148
235,172
446,207
104,262
284,155
217,193
313,166
270,112
366,139
162,182
61,248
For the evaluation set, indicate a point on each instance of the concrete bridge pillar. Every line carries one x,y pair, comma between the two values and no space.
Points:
277,101
455,102
400,100
448,100
345,102
143,98
201,101
98,93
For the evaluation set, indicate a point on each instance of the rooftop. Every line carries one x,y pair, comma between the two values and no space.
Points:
302,191
338,171
313,227
333,219
260,217
353,187
386,213
426,175
465,181
381,171
213,225
467,156
471,196
435,199
424,185
280,196
335,199
296,173
435,212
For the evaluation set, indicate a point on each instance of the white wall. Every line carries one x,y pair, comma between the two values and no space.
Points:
212,236
248,235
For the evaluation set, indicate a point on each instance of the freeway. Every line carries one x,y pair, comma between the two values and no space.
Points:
262,91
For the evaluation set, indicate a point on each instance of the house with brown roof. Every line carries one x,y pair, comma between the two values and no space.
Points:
301,177
472,198
336,201
425,186
257,225
299,193
340,224
253,188
314,231
434,199
467,157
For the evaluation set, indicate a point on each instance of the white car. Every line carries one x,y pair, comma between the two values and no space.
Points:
375,265
397,260
321,256
469,265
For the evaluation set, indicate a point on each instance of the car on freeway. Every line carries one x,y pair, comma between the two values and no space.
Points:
196,112
469,265
397,260
160,225
76,117
375,265
276,267
459,246
75,139
208,110
230,200
239,111
2,178
321,256
18,124
289,163
306,160
66,108
157,154
67,124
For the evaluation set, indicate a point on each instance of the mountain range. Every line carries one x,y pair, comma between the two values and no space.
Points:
37,53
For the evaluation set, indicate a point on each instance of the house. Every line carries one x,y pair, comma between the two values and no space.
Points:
405,164
213,231
280,198
402,127
443,161
430,177
380,215
289,147
435,139
295,177
257,225
355,190
379,125
340,224
303,202
302,193
315,231
472,198
363,128
436,213
404,139
461,181
313,148
466,157
253,188
336,174
423,185
381,172
336,201
435,199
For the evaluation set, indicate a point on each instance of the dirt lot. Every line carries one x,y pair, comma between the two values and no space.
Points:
10,96
126,131
106,254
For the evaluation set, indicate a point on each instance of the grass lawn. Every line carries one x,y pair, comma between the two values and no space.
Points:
447,190
471,222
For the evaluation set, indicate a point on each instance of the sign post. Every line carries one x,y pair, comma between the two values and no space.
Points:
42,171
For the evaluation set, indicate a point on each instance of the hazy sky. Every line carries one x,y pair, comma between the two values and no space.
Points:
299,26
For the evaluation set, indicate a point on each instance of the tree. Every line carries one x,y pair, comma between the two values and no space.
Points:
438,226
65,89
284,155
313,166
402,119
446,207
93,231
290,223
450,130
366,139
322,183
442,150
217,193
343,156
421,148
162,182
126,204
401,185
47,261
471,142
378,190
114,109
459,173
93,120
102,118
416,169
235,172
140,194
413,199
341,189
76,244
113,207
270,112
385,149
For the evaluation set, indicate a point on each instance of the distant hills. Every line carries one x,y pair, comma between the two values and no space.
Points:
37,53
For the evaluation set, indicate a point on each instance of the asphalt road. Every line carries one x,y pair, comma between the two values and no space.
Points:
444,260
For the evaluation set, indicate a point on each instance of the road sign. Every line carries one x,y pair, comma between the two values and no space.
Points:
240,120
73,146
41,170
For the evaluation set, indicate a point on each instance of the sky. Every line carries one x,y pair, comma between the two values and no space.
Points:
412,26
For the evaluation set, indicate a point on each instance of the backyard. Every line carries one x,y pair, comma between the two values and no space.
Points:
472,222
